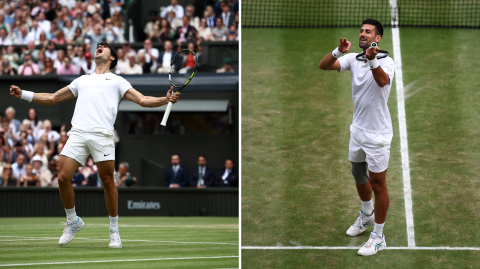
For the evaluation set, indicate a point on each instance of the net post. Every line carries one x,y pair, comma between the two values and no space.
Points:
394,13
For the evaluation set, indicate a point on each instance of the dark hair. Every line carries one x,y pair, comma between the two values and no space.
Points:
113,53
205,157
176,154
377,24
230,159
36,116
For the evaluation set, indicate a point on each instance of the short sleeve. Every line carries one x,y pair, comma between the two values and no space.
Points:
74,87
123,86
346,62
388,66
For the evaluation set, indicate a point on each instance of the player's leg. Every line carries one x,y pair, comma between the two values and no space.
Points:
360,173
73,156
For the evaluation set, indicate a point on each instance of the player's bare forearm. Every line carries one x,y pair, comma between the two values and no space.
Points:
380,76
149,101
327,62
48,99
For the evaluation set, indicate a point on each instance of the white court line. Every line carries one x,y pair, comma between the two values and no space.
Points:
131,260
335,248
403,136
123,225
22,238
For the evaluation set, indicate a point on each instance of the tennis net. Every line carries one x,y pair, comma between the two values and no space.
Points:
351,13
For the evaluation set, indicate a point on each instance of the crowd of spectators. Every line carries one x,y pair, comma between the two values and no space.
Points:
39,26
29,156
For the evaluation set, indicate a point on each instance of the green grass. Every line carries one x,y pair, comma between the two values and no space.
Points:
297,188
35,240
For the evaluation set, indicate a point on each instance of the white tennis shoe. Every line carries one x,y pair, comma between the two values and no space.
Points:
115,241
374,244
71,228
361,224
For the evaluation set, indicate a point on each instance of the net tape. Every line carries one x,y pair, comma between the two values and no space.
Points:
351,13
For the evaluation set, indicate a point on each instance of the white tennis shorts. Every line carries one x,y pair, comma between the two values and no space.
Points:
371,148
80,145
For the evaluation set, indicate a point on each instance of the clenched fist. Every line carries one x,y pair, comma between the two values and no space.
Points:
15,91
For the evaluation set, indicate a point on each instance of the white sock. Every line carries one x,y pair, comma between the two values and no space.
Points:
367,207
114,223
378,228
71,215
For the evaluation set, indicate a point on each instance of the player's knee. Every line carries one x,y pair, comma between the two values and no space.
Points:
360,173
64,179
108,181
378,185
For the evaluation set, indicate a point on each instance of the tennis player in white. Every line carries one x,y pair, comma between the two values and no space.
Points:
371,131
92,132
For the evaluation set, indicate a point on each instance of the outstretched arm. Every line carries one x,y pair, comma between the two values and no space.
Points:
329,62
48,99
149,101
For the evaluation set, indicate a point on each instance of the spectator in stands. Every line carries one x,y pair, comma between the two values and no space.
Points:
21,38
116,6
7,69
34,33
13,123
26,129
37,165
166,32
190,13
19,149
176,176
49,178
131,67
78,179
70,51
4,39
42,40
4,147
93,7
186,32
47,129
67,68
96,38
22,138
53,32
201,176
69,30
9,16
29,179
59,38
220,31
12,56
228,17
210,17
60,56
204,32
173,20
41,61
8,130
28,67
30,49
155,36
198,50
227,66
89,65
43,23
151,53
7,177
143,64
77,21
165,58
232,34
62,141
117,20
79,60
126,48
48,68
78,38
89,168
35,123
51,51
122,177
112,32
226,177
50,10
175,7
18,167
121,60
69,4
148,29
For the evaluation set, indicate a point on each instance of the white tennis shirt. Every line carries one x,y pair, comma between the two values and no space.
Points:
370,112
97,103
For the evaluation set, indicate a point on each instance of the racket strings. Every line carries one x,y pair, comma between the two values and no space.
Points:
380,55
183,65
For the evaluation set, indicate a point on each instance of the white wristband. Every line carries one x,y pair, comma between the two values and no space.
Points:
373,63
336,53
27,96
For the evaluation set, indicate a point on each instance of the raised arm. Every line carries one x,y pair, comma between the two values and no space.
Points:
48,99
378,73
149,101
330,62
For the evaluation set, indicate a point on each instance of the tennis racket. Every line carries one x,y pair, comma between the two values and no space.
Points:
380,55
182,70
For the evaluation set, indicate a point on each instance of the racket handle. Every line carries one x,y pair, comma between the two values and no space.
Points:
167,113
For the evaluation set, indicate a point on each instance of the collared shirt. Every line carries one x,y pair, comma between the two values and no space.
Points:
63,70
226,17
227,172
178,9
18,171
28,70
